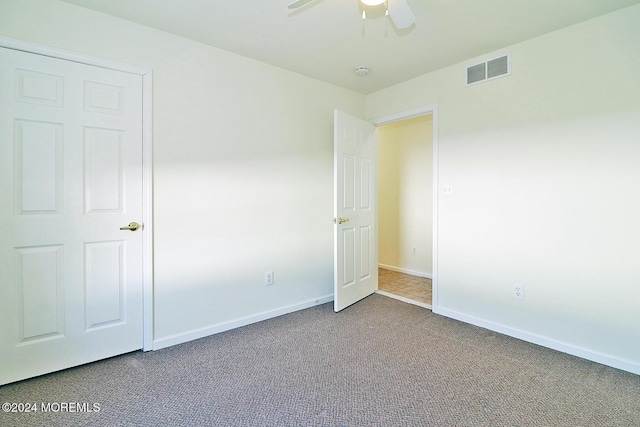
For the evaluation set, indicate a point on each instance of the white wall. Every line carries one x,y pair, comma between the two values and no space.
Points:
243,169
545,166
405,195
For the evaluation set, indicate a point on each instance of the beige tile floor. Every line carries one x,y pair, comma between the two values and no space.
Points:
405,285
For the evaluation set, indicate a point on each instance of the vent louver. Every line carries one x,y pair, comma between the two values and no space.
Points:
489,70
476,73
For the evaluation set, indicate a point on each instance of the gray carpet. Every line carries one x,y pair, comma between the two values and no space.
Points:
380,362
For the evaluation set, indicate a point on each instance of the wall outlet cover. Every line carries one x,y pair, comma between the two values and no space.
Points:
518,291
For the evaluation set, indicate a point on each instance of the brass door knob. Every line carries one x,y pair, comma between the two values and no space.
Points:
340,220
133,226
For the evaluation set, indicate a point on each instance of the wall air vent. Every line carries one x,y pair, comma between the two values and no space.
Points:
489,70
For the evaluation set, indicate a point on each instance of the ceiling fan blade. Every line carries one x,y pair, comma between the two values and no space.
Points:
400,13
296,4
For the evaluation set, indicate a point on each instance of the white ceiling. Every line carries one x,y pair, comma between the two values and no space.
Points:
327,39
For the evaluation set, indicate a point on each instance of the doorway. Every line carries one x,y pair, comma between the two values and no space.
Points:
405,209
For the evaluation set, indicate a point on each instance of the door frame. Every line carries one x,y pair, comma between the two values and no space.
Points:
147,162
410,114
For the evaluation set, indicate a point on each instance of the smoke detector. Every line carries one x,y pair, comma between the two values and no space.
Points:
361,71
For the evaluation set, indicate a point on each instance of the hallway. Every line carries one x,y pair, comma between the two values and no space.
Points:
403,285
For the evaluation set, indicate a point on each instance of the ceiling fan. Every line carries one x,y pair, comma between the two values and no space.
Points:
398,10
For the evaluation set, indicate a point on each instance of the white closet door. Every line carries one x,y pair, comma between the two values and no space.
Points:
70,178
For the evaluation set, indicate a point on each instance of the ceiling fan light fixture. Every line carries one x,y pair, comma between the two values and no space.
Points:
372,2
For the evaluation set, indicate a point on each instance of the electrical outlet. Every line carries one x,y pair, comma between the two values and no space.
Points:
413,250
518,291
447,190
268,278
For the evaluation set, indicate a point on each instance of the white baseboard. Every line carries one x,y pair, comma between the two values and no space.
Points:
406,271
243,321
613,362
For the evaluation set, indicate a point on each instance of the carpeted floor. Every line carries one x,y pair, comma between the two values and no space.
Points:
380,362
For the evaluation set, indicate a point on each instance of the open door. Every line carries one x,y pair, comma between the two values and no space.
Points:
355,210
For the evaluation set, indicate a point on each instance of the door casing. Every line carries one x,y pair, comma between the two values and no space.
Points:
409,114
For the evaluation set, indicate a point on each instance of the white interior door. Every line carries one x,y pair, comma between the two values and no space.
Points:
355,209
70,177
